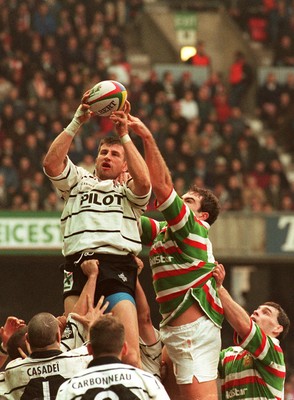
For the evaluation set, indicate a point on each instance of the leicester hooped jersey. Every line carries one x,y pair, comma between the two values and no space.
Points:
253,370
182,261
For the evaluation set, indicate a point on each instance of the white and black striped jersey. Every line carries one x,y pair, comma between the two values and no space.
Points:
151,355
40,375
101,216
107,378
74,334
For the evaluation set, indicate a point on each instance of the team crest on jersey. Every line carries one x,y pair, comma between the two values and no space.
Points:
247,361
68,332
67,281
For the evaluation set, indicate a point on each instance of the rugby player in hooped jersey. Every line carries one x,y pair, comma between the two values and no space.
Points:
182,262
100,219
253,369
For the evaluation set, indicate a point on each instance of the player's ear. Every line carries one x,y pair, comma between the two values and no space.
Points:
125,349
204,215
278,330
125,167
90,349
58,336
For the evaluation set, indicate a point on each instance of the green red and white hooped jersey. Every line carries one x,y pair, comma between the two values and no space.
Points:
100,216
181,260
254,370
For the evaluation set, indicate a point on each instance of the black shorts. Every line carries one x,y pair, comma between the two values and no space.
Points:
117,273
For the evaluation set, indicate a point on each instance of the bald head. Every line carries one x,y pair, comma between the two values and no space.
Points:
43,330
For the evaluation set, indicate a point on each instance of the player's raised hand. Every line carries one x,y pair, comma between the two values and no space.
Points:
219,274
138,127
93,313
11,325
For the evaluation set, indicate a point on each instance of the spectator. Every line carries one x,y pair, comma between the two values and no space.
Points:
201,58
268,97
205,104
185,83
261,174
153,85
284,52
188,106
274,192
252,191
240,79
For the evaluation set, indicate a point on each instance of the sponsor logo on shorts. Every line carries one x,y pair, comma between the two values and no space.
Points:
123,277
67,281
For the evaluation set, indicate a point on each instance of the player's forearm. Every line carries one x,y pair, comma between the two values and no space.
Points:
234,313
55,159
160,176
138,169
87,295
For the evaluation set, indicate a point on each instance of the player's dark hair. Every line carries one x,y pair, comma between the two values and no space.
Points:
110,140
209,202
283,318
17,340
107,336
42,330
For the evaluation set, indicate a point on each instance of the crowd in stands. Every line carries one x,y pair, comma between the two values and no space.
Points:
51,52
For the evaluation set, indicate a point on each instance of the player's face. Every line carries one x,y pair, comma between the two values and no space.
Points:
266,317
193,201
110,161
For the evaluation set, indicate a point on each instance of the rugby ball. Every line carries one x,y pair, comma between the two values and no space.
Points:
106,97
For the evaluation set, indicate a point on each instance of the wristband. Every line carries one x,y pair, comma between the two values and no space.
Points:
2,351
125,139
73,127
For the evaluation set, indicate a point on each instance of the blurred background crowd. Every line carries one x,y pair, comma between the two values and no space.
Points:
52,51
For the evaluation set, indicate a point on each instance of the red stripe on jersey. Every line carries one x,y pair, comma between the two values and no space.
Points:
153,229
278,348
199,222
177,272
231,358
194,243
179,217
244,381
171,296
262,344
276,372
211,300
165,250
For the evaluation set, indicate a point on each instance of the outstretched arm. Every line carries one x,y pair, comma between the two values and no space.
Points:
55,159
234,313
91,270
160,176
140,184
146,329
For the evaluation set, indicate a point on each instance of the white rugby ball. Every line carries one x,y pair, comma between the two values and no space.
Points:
106,97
